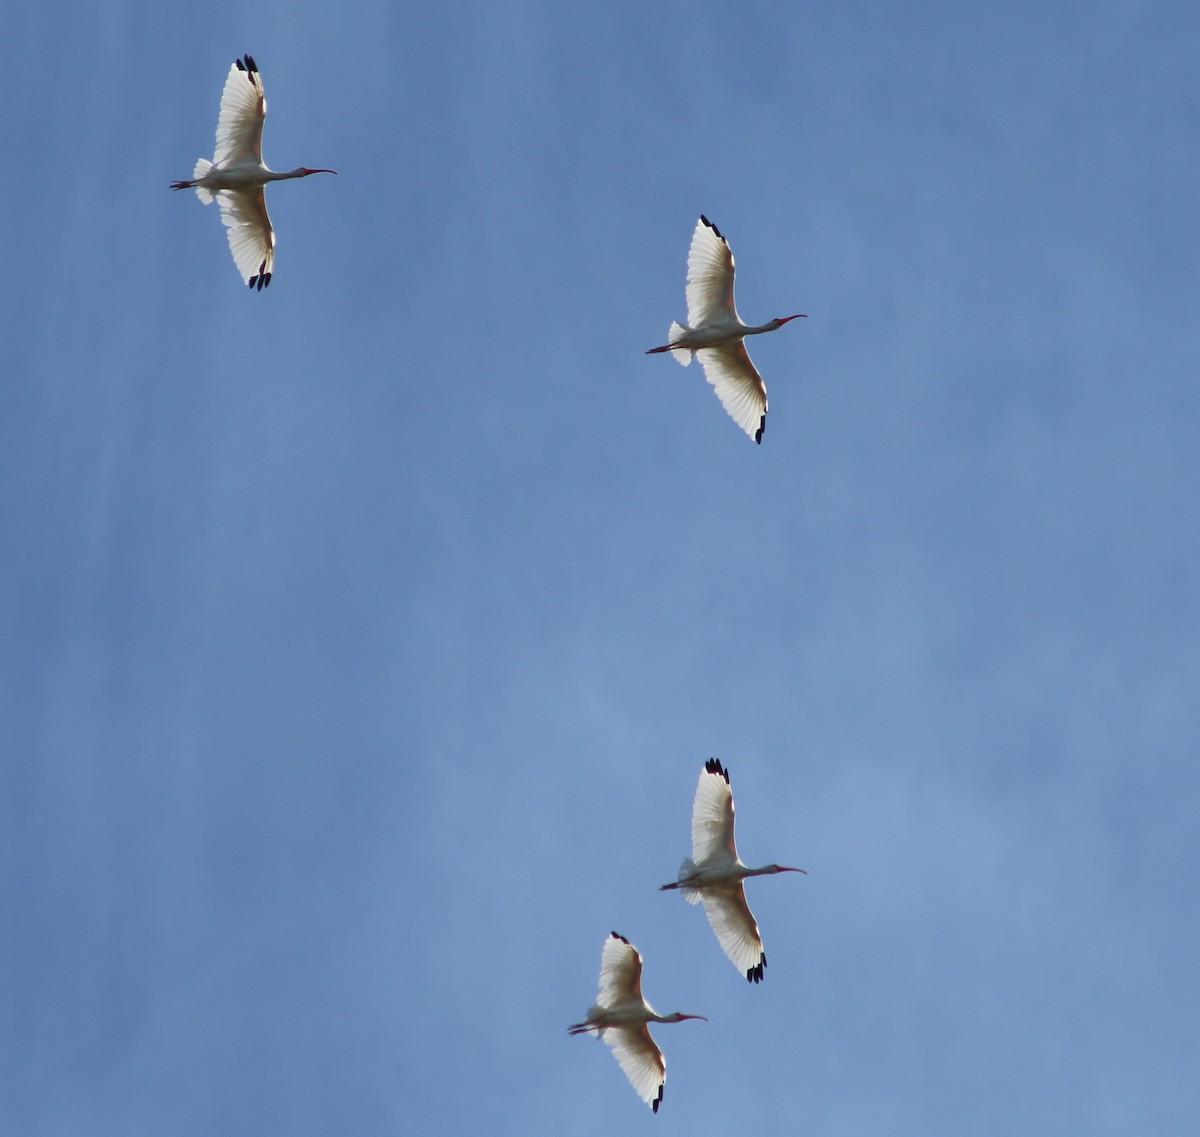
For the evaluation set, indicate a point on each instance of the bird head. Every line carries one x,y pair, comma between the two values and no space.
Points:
772,869
780,321
678,1017
305,171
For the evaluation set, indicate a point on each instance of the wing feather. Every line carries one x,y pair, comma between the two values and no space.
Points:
710,277
712,817
641,1059
251,236
240,124
620,972
735,928
738,385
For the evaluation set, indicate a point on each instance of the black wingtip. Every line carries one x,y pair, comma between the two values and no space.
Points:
712,227
658,1100
260,279
618,936
713,766
762,425
755,974
250,65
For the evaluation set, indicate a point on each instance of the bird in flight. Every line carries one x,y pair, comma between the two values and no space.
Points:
621,1016
713,874
715,331
236,176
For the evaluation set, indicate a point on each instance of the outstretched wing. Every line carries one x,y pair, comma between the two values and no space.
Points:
243,109
710,277
738,384
712,817
641,1060
736,929
251,237
620,973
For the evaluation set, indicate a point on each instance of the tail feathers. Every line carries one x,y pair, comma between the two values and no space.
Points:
683,354
687,869
203,165
588,1026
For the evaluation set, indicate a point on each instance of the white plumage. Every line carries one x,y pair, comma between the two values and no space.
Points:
621,1016
714,873
236,176
715,331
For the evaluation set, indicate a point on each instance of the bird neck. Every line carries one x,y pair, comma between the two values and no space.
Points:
769,870
774,325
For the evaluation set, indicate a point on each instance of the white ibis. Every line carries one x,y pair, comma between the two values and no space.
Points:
236,175
621,1017
715,331
713,874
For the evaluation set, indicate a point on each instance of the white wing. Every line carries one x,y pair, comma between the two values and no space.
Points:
712,817
736,929
641,1060
738,385
710,277
620,973
243,109
251,237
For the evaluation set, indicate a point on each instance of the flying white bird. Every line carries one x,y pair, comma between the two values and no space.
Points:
620,1017
715,331
713,874
236,175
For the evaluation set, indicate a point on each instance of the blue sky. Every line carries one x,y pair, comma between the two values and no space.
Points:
361,641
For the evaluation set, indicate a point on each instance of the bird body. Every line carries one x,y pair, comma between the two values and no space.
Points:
714,331
237,174
714,873
212,179
621,1016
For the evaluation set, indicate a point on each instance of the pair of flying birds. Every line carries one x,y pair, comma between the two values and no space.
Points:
711,876
236,179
